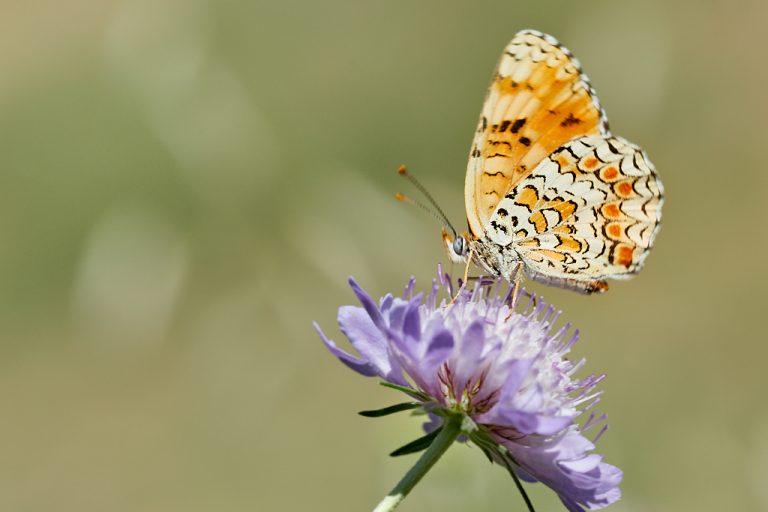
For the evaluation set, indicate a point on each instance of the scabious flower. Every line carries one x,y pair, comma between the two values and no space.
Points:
504,372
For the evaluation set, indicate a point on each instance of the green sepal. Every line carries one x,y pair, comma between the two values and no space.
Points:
416,445
486,453
392,409
491,447
468,425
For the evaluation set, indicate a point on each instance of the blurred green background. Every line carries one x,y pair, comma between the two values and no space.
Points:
186,185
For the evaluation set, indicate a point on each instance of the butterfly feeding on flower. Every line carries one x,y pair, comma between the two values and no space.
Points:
548,187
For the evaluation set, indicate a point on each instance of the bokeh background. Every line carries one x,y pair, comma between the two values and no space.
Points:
186,184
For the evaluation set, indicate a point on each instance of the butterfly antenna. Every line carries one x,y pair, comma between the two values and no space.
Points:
437,213
407,199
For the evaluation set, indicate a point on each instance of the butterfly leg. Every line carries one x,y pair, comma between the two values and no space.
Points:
469,262
516,280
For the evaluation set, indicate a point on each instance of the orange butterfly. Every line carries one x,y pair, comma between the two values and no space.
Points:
548,188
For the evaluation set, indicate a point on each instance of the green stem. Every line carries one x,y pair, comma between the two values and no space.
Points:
449,433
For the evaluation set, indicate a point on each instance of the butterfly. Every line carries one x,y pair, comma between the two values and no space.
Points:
548,188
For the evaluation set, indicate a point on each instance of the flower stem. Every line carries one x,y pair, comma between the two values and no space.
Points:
450,431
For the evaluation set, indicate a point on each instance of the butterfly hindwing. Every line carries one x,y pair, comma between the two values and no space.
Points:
587,212
539,99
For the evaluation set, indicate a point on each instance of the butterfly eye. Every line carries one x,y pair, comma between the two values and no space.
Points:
460,245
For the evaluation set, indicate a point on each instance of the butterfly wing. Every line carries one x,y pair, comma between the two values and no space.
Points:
587,212
539,99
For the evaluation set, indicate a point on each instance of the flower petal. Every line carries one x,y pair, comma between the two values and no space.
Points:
369,342
412,321
368,303
359,365
424,369
469,364
406,338
514,373
439,349
533,423
385,303
582,465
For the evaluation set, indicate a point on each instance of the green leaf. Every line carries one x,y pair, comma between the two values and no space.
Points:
416,445
408,391
392,409
484,441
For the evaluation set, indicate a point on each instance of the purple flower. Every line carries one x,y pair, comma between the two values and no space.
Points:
505,371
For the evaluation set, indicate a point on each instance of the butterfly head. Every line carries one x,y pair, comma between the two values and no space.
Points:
456,245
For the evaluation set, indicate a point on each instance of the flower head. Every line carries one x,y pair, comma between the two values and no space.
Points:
504,371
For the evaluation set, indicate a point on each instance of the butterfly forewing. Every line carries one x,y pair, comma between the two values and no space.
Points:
539,99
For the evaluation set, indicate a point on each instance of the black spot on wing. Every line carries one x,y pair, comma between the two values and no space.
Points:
570,120
497,142
499,227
